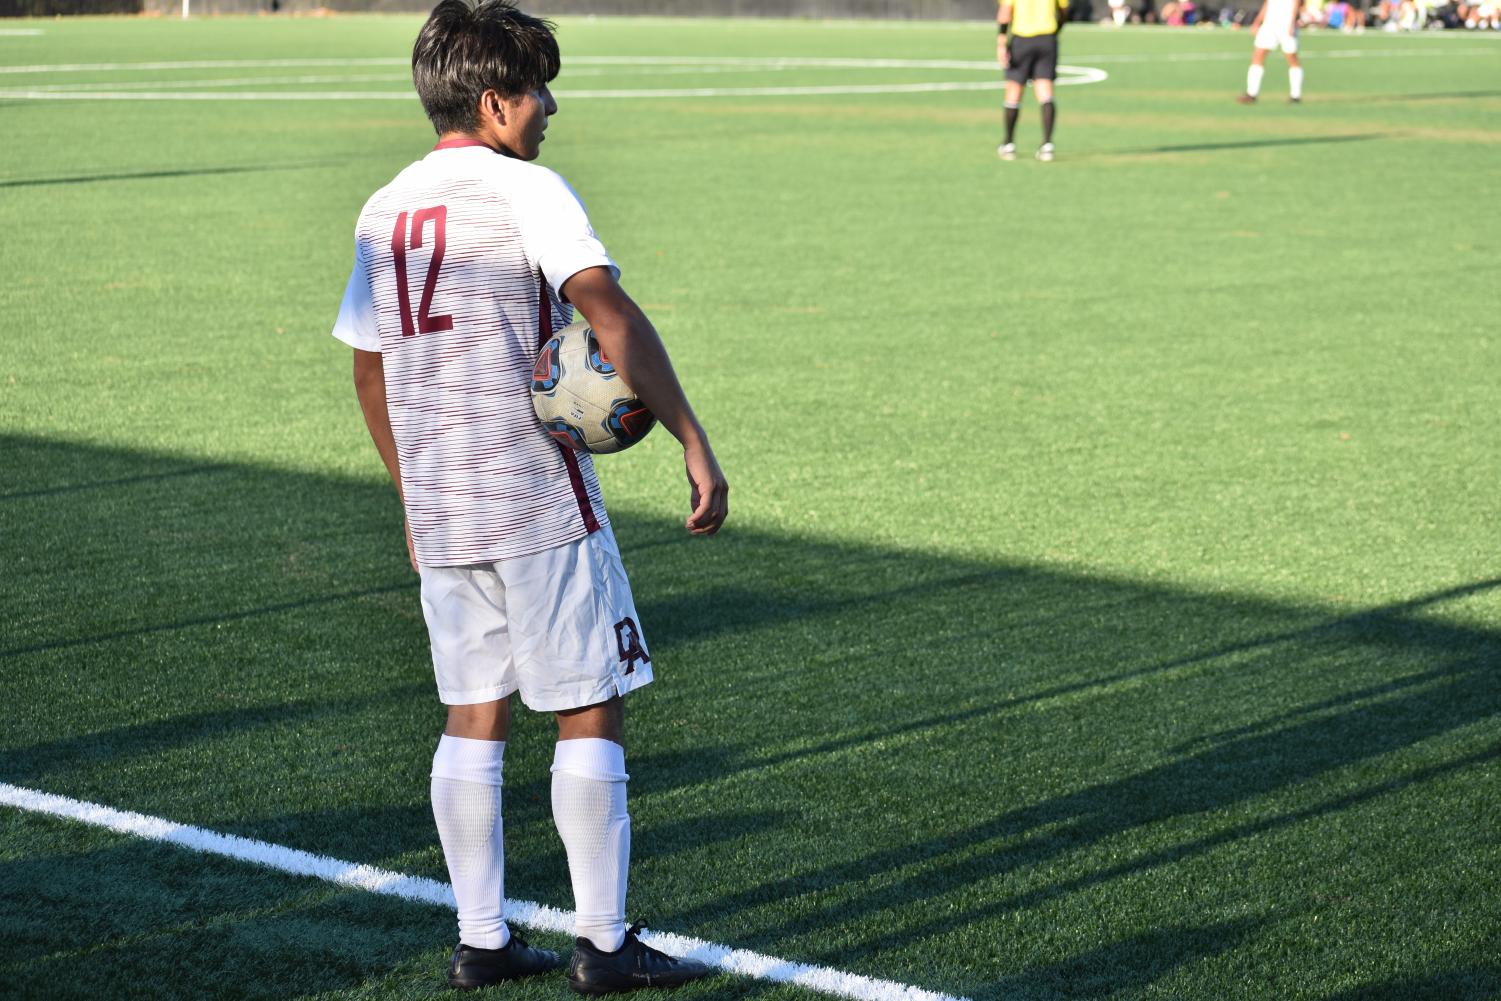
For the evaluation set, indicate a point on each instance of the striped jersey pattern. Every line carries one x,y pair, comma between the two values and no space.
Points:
459,257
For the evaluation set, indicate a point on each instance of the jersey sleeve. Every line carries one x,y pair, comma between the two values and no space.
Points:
556,230
356,323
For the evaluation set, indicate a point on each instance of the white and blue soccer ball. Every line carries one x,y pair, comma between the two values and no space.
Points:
581,399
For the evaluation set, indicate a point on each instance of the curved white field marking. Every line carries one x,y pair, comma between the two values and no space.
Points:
429,891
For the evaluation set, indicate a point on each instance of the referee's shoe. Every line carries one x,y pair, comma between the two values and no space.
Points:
633,966
472,968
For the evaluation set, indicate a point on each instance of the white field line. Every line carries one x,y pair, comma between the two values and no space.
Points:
673,64
427,891
1083,74
20,32
245,81
203,64
729,62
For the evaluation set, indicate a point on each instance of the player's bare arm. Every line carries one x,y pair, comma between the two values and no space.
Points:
1260,16
631,343
1002,36
370,387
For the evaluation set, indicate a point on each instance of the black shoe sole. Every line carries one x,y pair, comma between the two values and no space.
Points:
595,991
599,992
466,984
475,985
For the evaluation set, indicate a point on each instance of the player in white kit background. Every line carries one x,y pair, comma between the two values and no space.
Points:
1276,26
465,263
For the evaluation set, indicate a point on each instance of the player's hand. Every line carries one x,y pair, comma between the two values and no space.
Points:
1002,52
709,493
411,550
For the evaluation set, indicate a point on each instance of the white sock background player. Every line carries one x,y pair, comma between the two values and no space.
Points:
1276,26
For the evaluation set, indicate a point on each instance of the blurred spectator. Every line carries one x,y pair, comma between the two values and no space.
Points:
1345,16
1486,14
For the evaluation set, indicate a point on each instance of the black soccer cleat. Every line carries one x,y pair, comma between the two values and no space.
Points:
472,968
631,967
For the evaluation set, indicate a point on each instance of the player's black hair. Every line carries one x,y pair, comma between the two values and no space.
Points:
467,48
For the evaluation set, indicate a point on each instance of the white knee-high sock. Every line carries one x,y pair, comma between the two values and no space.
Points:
588,805
1295,81
1253,79
466,805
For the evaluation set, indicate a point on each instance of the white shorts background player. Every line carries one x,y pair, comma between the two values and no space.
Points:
464,264
1276,27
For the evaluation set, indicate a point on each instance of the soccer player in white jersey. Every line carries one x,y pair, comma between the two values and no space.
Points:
1276,26
464,264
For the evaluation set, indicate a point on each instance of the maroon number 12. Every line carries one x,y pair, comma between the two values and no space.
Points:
425,324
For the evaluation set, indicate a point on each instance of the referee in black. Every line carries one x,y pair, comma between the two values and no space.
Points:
1026,46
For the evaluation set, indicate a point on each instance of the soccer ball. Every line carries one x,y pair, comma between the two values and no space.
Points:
579,397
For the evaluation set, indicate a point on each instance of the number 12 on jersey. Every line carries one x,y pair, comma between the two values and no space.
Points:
400,243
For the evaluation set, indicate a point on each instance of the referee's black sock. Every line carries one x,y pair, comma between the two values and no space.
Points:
1048,114
1012,110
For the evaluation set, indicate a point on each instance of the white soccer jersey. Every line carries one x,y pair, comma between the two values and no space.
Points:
1278,24
457,265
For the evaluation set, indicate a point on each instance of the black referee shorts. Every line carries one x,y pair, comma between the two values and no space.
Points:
1034,58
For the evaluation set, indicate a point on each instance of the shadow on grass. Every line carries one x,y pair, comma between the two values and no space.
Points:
1239,144
1454,95
856,756
159,175
1476,981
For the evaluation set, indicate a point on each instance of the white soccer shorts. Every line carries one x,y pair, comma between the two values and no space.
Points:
1268,37
559,626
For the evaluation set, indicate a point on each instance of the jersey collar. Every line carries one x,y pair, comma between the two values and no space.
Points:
459,143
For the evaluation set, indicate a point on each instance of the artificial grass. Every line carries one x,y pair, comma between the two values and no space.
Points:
1108,606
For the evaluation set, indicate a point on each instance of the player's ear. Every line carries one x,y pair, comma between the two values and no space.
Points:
492,107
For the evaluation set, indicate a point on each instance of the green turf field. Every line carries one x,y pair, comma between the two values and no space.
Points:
1111,603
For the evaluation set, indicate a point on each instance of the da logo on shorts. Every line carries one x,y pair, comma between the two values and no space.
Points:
628,642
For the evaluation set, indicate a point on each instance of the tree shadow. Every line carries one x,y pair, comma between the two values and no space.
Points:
1454,95
1239,144
161,175
1133,962
1475,981
854,755
127,919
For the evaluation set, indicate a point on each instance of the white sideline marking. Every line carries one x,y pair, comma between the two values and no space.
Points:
20,32
201,64
1085,75
429,891
245,81
732,61
129,91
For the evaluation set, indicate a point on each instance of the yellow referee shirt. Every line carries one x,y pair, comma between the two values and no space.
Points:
1030,18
